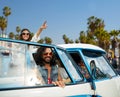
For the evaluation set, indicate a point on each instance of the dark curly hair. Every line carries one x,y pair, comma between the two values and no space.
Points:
38,57
25,29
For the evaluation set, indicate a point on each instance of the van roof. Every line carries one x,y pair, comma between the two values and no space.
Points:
81,46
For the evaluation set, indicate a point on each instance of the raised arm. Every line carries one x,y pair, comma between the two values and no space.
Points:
44,26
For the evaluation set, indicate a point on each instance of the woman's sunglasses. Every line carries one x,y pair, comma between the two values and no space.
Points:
25,33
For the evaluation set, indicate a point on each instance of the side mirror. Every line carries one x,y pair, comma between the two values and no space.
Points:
92,67
95,71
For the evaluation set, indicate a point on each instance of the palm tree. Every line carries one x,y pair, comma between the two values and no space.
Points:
41,41
71,41
66,39
102,38
76,40
11,35
114,34
6,12
82,37
32,34
17,37
3,24
18,29
93,24
96,31
48,40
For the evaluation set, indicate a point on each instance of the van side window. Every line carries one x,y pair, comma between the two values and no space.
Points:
11,65
56,70
62,72
80,64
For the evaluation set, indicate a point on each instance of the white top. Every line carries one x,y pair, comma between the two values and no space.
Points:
81,45
35,38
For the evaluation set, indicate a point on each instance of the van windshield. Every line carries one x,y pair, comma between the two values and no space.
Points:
97,62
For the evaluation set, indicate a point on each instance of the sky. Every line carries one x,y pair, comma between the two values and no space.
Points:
67,17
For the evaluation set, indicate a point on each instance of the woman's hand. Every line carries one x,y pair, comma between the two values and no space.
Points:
44,26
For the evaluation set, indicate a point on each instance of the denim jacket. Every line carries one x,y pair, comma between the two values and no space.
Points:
44,73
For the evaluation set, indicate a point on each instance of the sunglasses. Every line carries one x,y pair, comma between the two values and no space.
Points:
25,33
48,54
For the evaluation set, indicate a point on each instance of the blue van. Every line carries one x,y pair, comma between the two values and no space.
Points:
19,71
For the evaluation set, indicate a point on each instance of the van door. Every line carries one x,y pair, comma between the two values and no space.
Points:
18,78
105,79
76,75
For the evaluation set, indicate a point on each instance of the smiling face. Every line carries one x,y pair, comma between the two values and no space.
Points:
47,55
25,35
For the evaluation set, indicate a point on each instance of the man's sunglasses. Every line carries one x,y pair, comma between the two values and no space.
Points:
48,54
